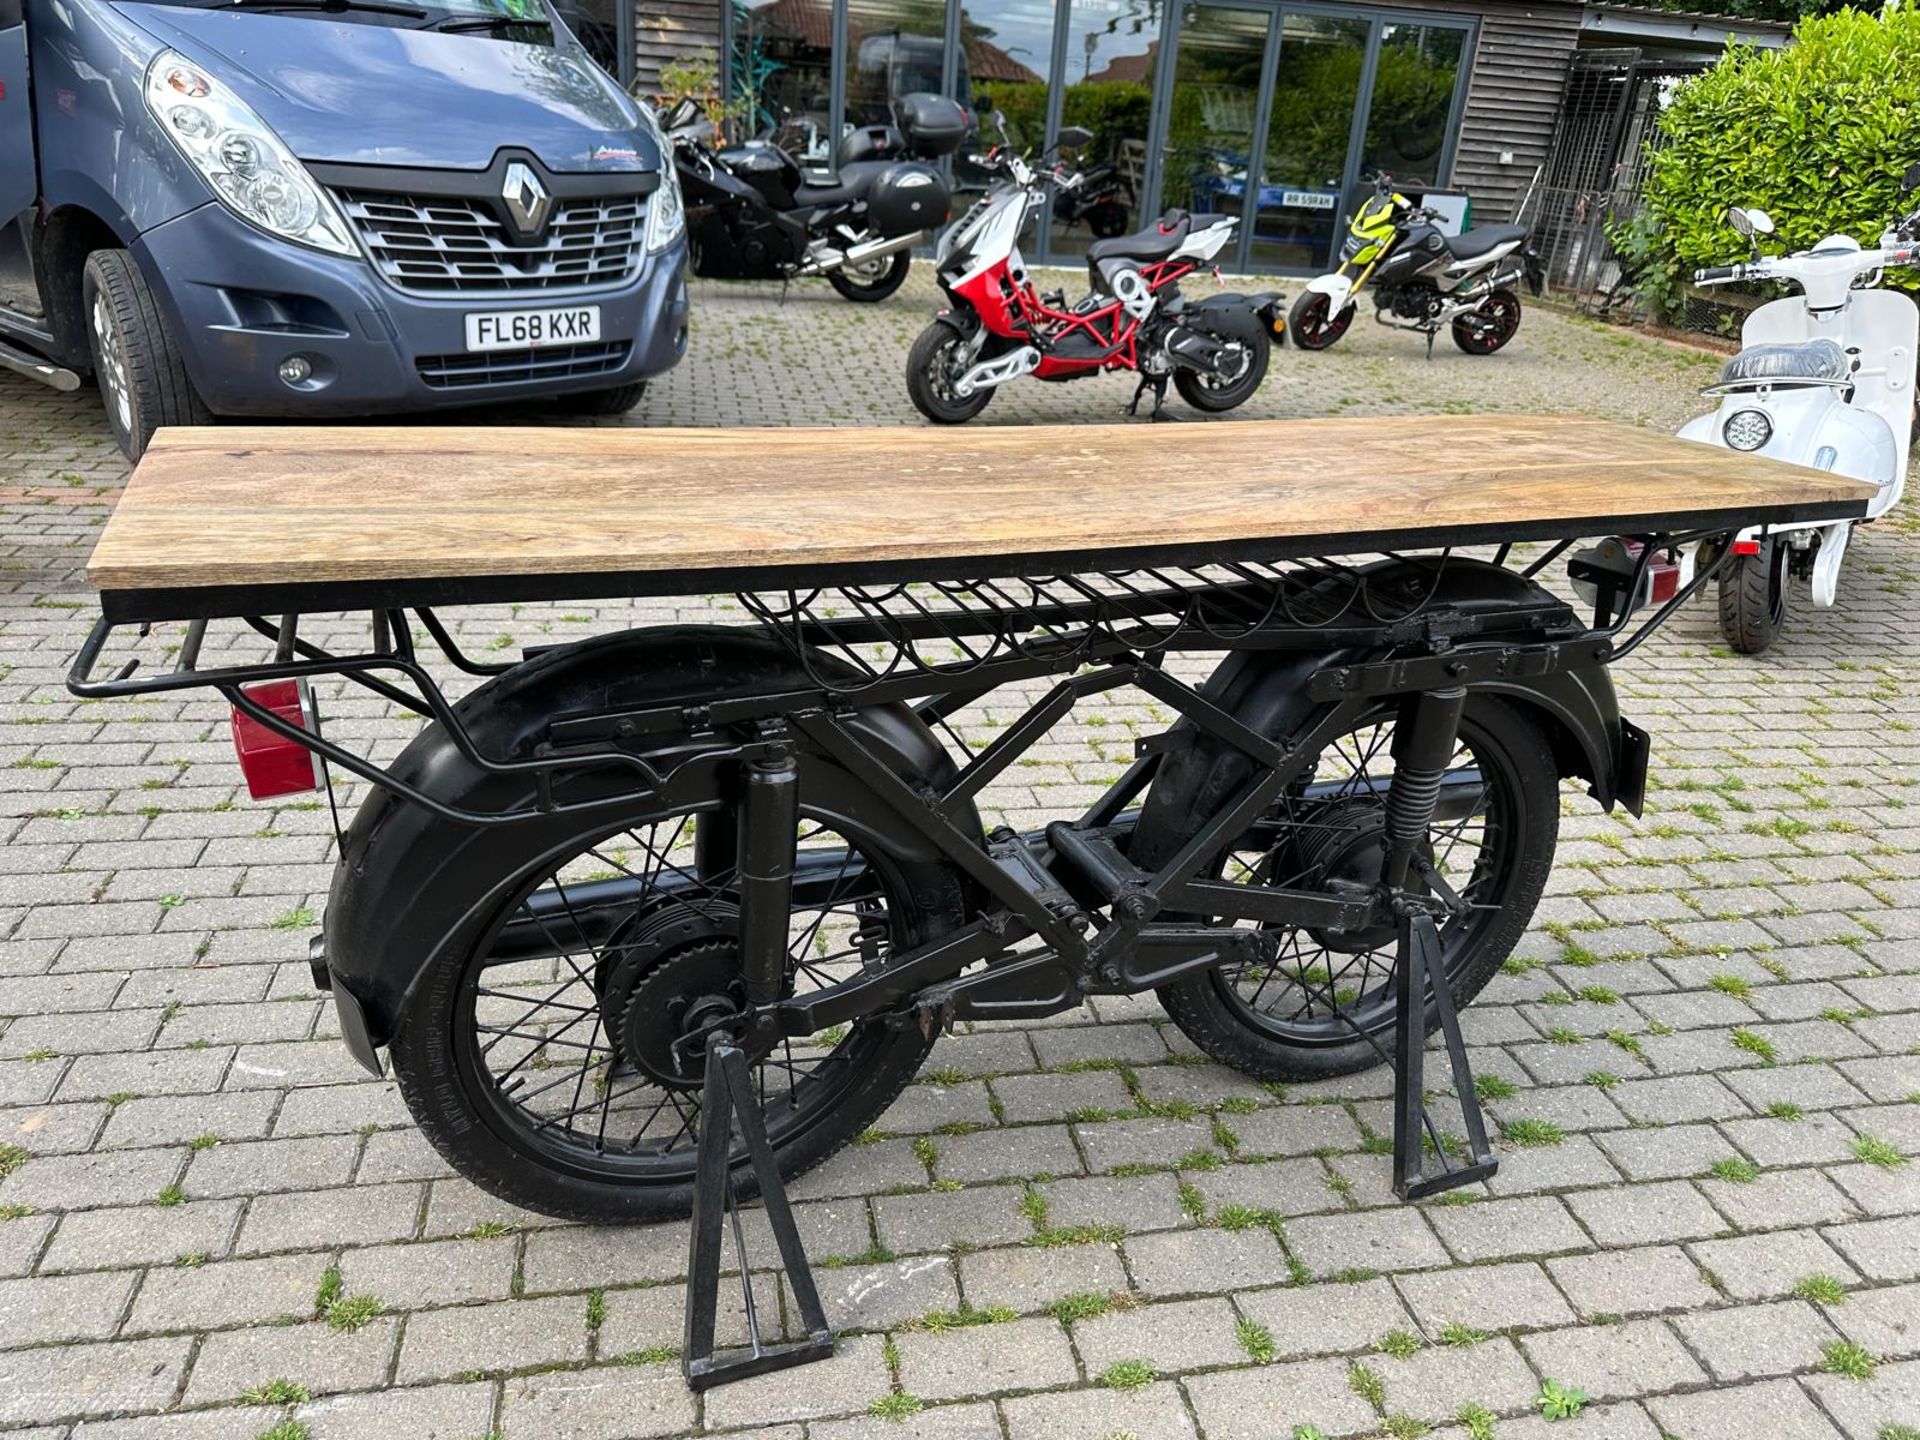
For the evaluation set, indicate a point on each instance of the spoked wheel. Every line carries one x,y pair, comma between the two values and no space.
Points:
1491,327
938,358
1233,387
559,1065
874,280
1313,325
1753,598
1313,1012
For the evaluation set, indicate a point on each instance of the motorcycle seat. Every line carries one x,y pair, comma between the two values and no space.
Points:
1487,237
1816,361
1156,242
856,178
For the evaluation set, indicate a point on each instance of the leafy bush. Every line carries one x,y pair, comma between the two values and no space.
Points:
1817,135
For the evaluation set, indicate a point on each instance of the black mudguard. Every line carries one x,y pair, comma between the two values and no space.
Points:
1227,316
411,889
1267,691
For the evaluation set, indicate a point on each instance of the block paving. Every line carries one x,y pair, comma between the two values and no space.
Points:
1704,1060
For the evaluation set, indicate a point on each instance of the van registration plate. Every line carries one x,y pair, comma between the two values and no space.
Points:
532,329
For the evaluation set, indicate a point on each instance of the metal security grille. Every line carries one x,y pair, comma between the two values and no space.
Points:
439,245
1595,171
512,367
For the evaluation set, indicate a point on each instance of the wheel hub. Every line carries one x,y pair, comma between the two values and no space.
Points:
676,1007
1343,846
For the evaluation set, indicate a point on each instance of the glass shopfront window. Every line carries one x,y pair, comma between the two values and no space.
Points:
1413,84
1006,53
1309,129
1112,47
894,48
783,72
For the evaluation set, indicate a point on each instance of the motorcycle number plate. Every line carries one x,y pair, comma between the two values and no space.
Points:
532,329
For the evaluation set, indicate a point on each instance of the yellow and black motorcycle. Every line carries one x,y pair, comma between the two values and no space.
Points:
1421,279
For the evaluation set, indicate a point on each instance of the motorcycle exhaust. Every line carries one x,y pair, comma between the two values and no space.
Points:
831,260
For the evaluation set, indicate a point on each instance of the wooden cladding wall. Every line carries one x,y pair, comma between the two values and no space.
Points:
1513,97
665,30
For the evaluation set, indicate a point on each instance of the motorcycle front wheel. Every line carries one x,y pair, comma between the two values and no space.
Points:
873,281
1313,325
934,363
1327,999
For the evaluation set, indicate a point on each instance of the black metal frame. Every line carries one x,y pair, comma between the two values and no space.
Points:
1093,922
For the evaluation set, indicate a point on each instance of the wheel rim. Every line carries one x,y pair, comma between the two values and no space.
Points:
868,273
944,370
1322,985
1505,317
1318,322
111,359
541,1044
1220,384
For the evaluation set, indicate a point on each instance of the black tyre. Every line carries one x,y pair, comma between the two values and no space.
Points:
1753,598
1217,393
1492,841
143,381
876,280
1107,219
546,1058
616,401
1499,322
936,360
1312,323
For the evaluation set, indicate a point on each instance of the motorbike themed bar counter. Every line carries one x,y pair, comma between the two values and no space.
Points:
649,923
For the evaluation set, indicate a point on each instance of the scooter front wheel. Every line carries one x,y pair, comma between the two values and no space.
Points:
1313,325
1753,598
933,365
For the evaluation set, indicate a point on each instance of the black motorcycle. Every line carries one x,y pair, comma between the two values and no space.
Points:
753,215
1104,201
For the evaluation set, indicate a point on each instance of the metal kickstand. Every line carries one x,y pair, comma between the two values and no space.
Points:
1422,970
728,1100
1158,384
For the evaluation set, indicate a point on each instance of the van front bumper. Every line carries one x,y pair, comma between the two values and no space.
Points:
240,302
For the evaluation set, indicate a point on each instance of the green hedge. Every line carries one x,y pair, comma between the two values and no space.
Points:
1817,135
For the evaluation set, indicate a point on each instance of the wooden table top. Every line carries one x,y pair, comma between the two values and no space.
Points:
259,519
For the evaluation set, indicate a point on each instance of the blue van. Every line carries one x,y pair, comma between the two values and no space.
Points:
313,208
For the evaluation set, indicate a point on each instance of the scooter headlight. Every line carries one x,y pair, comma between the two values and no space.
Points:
1747,430
247,166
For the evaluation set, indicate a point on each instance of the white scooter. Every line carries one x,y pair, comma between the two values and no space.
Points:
1823,379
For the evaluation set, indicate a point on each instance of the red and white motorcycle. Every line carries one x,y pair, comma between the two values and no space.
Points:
998,327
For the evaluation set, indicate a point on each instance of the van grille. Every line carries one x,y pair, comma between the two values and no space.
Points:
444,245
512,367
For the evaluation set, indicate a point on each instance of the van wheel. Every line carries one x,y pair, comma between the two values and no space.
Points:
617,401
143,381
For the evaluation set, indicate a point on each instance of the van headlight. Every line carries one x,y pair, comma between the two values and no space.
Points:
666,215
245,163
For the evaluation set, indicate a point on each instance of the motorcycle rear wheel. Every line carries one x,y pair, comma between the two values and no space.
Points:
875,281
931,366
1216,394
1501,315
1327,1000
1312,324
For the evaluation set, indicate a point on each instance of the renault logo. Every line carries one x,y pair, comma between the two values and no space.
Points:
528,202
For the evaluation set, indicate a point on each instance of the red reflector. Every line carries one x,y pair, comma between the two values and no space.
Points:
1746,547
273,764
1663,578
